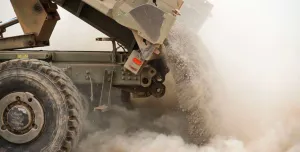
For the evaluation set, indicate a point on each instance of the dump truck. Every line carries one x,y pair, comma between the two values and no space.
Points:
43,93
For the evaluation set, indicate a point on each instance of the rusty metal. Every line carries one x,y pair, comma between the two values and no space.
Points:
35,16
37,19
22,41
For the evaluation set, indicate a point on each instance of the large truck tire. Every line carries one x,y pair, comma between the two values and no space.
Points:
40,108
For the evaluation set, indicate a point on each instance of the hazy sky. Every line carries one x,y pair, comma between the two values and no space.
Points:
256,40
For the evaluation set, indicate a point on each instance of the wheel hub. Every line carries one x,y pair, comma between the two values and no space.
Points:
22,117
19,118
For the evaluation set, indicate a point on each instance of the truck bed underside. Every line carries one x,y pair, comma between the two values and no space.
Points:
99,21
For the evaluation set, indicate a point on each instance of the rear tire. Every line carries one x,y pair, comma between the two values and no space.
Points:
60,100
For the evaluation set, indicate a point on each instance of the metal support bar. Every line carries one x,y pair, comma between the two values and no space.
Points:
106,91
7,24
22,41
81,5
114,51
39,55
1,33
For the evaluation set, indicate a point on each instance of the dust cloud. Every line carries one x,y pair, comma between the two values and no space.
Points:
217,114
249,107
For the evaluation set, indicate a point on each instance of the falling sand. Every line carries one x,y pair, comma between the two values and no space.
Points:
217,114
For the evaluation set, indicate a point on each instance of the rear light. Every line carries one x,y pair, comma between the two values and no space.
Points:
137,61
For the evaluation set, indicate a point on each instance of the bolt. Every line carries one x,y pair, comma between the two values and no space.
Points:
87,77
30,43
123,73
37,7
87,72
129,78
123,78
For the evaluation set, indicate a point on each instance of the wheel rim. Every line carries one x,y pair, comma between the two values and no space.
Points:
22,117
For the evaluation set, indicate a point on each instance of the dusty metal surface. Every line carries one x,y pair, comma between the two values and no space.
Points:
37,19
100,21
151,26
141,25
131,23
89,67
35,16
22,41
